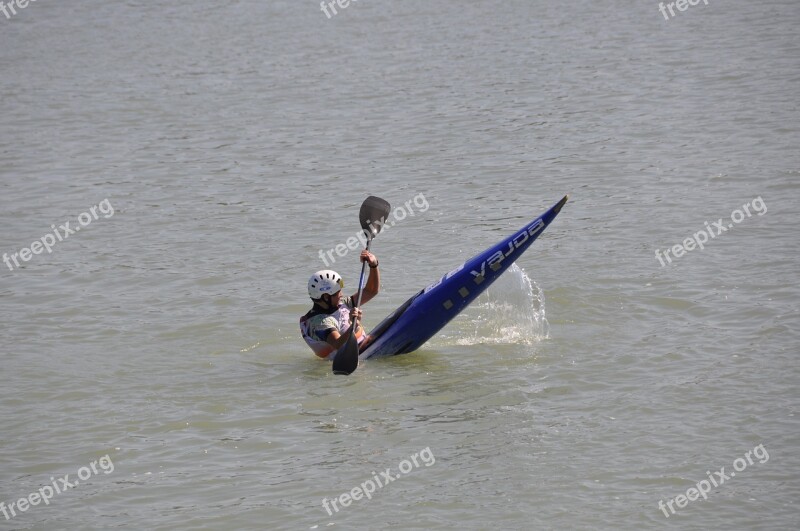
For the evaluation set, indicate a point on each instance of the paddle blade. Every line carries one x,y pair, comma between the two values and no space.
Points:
346,360
374,213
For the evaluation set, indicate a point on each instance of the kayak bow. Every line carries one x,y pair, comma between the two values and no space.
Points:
428,311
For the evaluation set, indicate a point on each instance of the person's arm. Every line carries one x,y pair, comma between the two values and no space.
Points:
373,285
335,339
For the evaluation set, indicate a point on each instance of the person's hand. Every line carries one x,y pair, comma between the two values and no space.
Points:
355,315
370,258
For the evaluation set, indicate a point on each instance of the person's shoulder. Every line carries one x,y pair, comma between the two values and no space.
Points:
326,320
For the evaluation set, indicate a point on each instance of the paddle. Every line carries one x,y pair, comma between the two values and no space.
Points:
374,212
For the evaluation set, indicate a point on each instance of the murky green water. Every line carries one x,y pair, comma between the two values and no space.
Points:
237,140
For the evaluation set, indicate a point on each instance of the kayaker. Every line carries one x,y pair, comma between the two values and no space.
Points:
324,326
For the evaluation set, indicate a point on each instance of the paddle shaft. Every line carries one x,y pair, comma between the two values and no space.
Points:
361,280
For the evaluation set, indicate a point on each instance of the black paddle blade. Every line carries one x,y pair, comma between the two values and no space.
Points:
374,213
346,359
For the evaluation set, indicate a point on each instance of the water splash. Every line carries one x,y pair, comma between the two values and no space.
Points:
512,310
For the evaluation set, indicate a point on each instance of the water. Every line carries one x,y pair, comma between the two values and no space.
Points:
511,311
237,140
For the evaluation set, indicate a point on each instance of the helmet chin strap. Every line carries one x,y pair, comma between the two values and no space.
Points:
324,303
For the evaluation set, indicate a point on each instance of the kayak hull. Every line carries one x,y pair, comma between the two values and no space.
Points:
428,311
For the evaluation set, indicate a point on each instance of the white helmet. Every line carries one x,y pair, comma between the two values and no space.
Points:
324,281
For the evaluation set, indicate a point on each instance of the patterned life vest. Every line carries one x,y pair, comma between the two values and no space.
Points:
315,326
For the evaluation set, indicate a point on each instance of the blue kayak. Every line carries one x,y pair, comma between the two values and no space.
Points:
424,314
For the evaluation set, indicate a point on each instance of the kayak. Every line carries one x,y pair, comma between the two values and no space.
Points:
418,319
